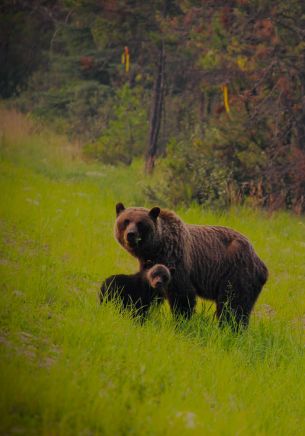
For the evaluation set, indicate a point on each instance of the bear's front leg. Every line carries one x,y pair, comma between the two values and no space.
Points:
181,296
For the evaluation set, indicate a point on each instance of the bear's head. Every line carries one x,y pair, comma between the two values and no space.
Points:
159,276
136,228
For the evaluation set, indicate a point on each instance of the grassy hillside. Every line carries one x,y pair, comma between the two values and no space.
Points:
70,366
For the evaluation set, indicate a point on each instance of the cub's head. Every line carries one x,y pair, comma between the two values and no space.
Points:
159,276
136,228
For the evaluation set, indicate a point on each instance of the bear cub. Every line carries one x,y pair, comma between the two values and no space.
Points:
138,291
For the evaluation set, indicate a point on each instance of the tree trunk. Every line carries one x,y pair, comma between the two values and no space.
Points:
300,125
156,113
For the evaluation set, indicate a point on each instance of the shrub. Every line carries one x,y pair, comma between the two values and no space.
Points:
189,174
126,133
215,170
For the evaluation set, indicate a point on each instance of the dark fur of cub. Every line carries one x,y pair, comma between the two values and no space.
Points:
138,291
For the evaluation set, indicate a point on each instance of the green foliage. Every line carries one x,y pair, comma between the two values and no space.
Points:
209,60
125,136
78,108
214,170
190,173
25,37
70,366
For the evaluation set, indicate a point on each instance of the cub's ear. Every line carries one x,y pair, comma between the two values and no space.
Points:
119,208
154,213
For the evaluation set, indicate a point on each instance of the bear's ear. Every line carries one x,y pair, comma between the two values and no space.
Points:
154,213
119,208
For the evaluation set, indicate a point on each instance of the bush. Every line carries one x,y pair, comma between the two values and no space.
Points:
191,174
126,134
76,108
215,170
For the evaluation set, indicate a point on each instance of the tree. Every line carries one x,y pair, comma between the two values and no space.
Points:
156,112
25,33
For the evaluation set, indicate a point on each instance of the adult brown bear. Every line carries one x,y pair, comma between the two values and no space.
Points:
213,262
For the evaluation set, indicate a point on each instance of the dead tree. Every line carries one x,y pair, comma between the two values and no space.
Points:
156,112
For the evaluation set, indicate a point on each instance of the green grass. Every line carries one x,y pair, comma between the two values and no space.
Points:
70,366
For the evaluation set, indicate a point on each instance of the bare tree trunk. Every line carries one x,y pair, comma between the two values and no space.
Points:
300,125
156,113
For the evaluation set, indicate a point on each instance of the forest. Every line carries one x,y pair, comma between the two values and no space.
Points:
197,106
210,94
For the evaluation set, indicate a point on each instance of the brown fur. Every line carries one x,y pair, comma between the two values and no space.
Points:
212,262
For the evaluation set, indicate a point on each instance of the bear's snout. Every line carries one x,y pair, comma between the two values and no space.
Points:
131,237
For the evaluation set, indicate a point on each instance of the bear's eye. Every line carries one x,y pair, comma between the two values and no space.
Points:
126,222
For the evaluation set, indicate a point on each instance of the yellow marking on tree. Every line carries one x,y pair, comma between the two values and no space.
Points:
226,98
127,63
126,59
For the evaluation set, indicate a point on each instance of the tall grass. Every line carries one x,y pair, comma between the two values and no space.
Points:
70,366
